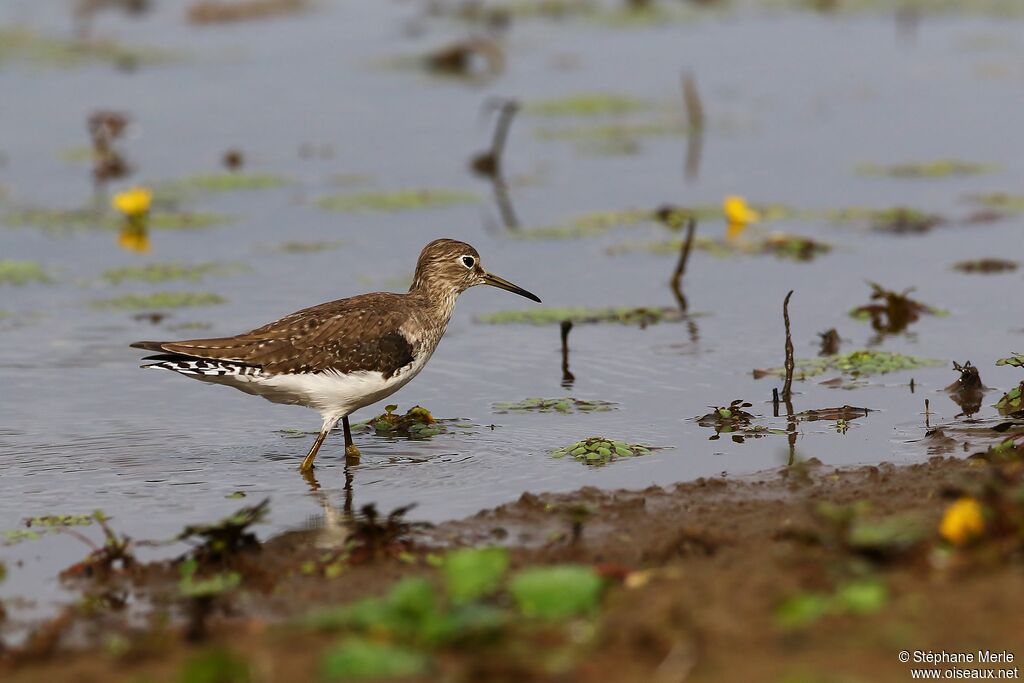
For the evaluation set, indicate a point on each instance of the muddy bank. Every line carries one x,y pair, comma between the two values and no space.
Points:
807,573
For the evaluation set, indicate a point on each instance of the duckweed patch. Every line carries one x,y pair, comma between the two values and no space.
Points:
641,316
19,44
942,168
396,200
861,363
598,450
735,421
22,272
896,220
159,300
416,422
588,104
166,272
564,405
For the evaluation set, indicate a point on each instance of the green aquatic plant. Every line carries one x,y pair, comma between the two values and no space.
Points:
416,422
598,450
1000,201
191,587
941,168
1013,400
165,272
474,573
588,104
588,224
559,592
564,405
308,247
363,659
861,363
396,200
859,597
228,536
228,181
22,272
20,44
546,316
781,245
159,300
621,137
79,220
896,220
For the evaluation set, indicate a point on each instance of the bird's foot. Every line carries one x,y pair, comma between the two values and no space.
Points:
351,451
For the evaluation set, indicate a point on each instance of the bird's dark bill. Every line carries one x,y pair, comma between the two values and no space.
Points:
502,283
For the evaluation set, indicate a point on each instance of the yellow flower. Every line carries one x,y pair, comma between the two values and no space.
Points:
132,202
963,521
134,238
738,215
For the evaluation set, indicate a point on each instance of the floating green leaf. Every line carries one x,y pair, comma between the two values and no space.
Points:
1016,360
175,190
558,592
598,450
26,45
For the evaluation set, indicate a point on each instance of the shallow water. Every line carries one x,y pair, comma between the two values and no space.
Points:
795,103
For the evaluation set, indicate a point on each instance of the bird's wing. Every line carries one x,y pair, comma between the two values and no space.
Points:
359,333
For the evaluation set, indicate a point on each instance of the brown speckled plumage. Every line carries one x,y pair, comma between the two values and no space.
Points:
341,355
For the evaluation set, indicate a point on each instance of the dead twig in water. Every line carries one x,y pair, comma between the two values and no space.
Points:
787,387
684,256
567,377
489,163
695,127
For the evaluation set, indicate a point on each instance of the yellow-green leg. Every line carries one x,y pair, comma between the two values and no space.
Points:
350,447
307,463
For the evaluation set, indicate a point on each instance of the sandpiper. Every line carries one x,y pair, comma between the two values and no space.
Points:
342,355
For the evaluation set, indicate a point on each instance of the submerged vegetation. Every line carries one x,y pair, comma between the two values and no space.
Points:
396,200
22,272
166,272
931,169
547,316
554,405
861,363
159,300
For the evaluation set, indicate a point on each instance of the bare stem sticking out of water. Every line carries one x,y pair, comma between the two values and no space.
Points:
684,256
567,377
691,99
787,387
489,163
695,127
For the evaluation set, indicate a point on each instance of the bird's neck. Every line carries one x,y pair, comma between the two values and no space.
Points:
436,298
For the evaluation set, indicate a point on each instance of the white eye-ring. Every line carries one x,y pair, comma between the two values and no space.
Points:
468,261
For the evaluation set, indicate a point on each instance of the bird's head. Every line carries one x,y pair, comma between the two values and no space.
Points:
451,267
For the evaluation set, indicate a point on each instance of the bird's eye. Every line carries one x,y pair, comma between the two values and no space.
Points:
468,261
